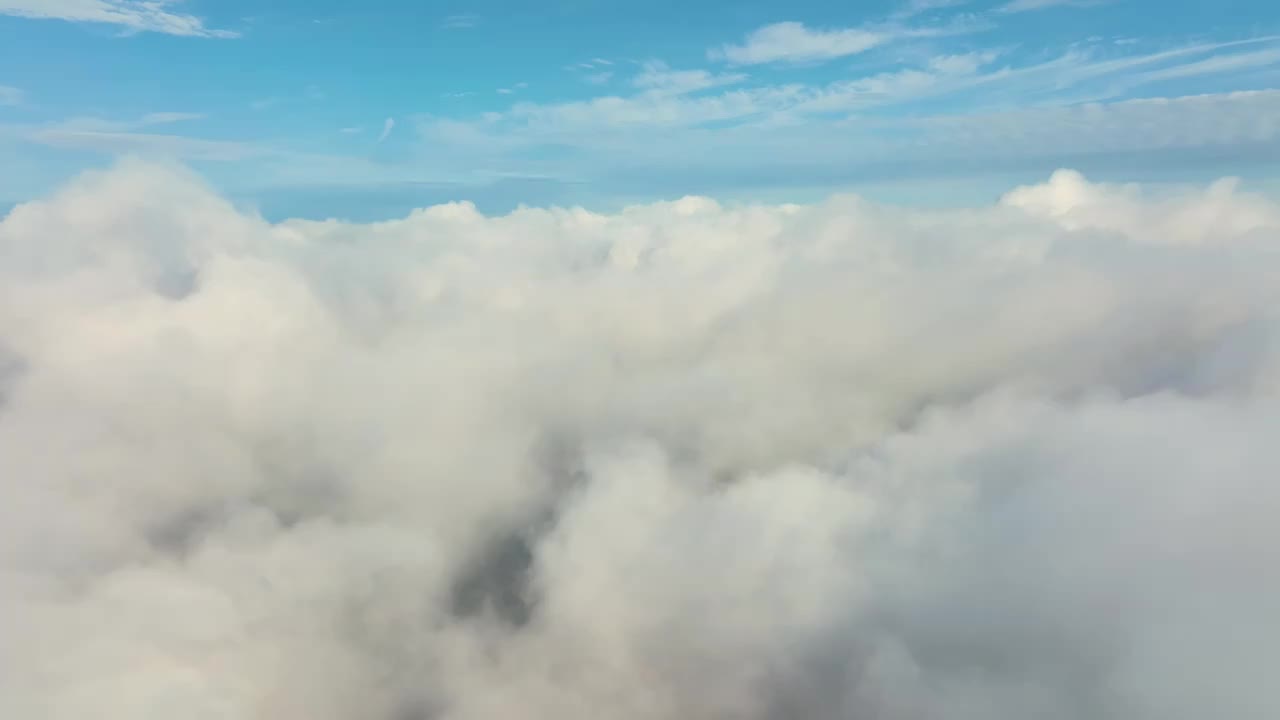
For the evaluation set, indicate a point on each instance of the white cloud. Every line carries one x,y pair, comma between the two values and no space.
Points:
598,71
460,21
164,118
912,8
656,77
11,96
667,98
387,126
789,143
792,42
120,143
104,125
1245,119
134,136
1020,6
681,461
351,130
310,94
940,74
1217,64
136,15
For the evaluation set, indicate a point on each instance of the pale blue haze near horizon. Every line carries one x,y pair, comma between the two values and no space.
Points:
367,110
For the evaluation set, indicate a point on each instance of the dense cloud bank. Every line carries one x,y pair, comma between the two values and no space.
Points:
686,462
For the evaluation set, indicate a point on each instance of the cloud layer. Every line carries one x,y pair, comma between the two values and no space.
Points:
684,461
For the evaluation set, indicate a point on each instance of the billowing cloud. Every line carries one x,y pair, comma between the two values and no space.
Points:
683,461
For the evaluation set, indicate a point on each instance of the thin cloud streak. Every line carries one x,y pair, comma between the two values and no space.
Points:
133,15
388,126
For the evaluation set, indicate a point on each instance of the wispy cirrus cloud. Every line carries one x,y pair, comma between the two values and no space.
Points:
95,124
749,135
793,42
1218,64
157,16
657,77
596,71
592,64
460,21
913,8
11,96
311,94
145,135
149,144
796,43
388,126
667,97
1020,6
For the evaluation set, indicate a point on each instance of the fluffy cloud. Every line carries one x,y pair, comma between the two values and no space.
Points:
683,461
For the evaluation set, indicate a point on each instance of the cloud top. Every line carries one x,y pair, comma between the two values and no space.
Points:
682,461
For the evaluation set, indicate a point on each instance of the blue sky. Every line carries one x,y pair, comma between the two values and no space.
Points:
368,109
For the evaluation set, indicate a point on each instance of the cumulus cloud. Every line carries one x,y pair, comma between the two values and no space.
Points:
682,461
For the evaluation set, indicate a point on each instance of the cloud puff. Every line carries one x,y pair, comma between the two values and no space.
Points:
682,461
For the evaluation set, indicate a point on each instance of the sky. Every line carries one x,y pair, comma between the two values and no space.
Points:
369,109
